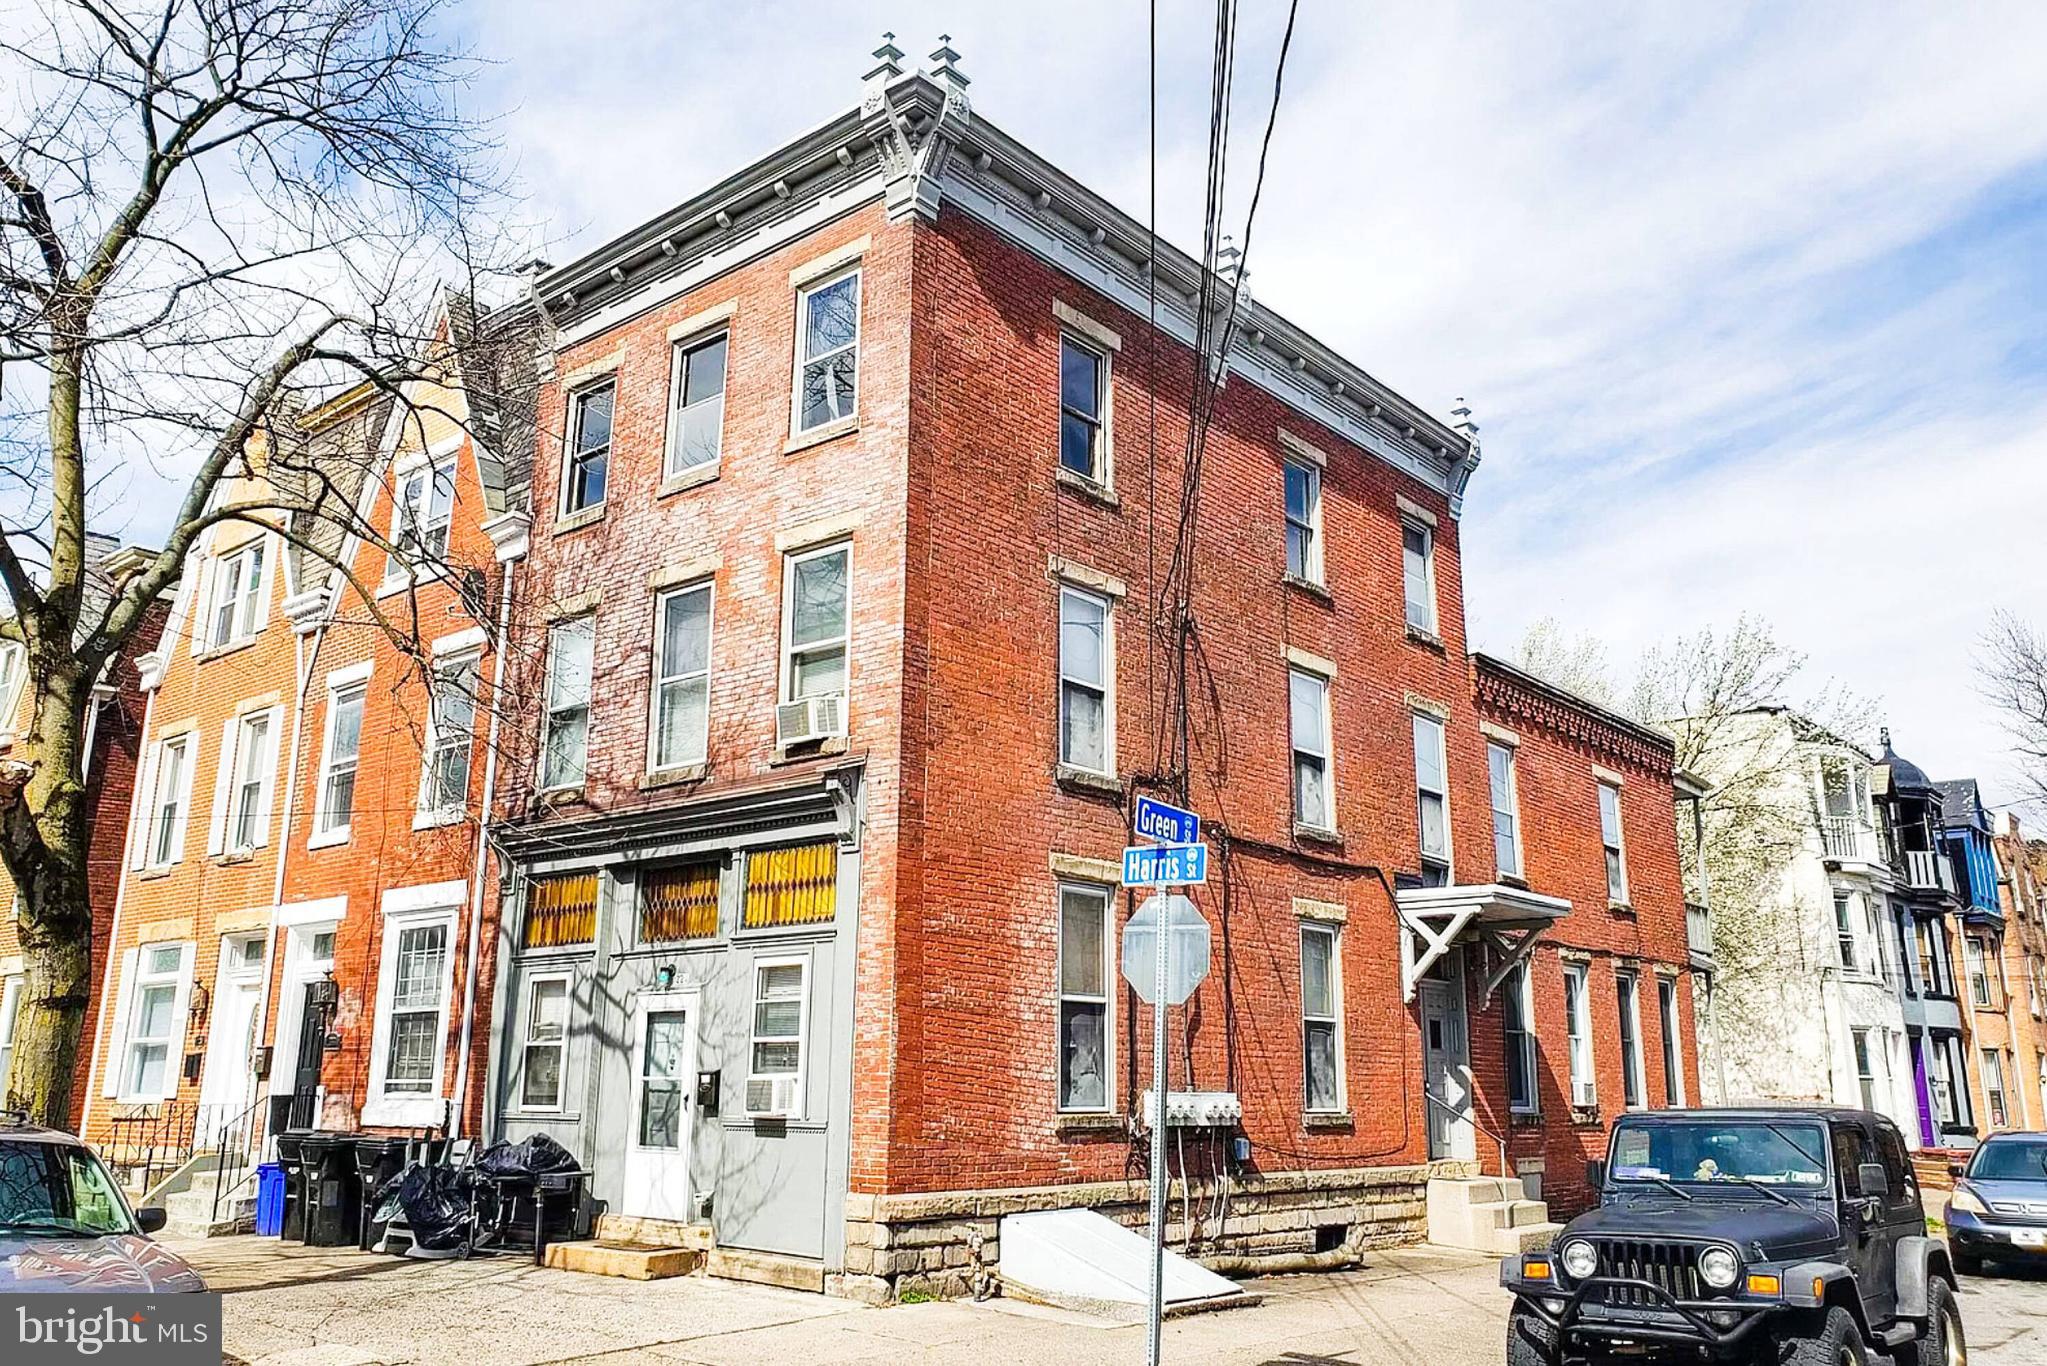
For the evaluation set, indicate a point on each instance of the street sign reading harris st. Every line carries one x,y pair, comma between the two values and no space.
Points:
1164,865
1164,824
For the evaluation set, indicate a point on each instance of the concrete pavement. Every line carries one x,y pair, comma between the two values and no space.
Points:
292,1306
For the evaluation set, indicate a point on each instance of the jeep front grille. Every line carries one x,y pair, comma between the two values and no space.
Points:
1671,1267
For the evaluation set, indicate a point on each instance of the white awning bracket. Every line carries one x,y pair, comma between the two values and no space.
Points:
1508,919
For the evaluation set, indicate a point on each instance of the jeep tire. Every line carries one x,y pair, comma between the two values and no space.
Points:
1531,1341
1967,1263
1940,1341
1828,1338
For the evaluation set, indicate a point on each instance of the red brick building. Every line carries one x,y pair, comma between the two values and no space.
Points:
849,627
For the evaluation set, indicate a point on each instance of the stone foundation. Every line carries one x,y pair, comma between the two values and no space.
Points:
948,1244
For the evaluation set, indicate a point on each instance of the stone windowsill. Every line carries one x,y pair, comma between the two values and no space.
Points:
688,479
808,750
404,581
817,436
559,796
1092,1124
235,859
213,652
152,874
1315,834
1525,1119
1329,1119
675,777
435,820
1310,588
1084,781
1582,1116
1086,487
1620,907
576,521
1513,880
1428,639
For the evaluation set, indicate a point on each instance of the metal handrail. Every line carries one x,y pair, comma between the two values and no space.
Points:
232,1153
1470,1119
155,1137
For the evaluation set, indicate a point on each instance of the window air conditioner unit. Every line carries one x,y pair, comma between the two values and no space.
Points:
771,1097
810,718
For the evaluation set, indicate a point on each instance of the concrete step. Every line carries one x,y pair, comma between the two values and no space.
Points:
1518,1213
1526,1238
630,1229
765,1268
191,1214
624,1260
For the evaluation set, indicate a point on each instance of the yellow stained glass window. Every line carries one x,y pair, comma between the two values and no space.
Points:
561,910
679,903
797,886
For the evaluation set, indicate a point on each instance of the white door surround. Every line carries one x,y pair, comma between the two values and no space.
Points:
1446,1059
228,1084
663,1075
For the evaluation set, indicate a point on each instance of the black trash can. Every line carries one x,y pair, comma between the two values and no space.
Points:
334,1191
292,1159
378,1163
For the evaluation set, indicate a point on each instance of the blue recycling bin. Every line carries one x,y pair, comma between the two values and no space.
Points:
269,1200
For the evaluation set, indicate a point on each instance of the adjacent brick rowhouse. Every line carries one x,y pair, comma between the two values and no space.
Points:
963,527
2022,888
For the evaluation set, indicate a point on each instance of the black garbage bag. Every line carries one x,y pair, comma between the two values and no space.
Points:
435,1203
535,1156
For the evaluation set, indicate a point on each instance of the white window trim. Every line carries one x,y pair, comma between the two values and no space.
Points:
187,740
12,988
443,452
801,961
1671,1023
1634,1062
1449,858
406,1108
134,980
1578,1034
1513,753
581,389
1333,933
1105,901
1107,769
661,601
679,344
1620,841
1104,472
1428,534
1521,982
230,778
340,681
518,1101
14,668
252,611
426,815
790,559
825,280
1294,751
1316,568
588,618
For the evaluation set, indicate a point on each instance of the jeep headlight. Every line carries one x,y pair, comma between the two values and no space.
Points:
1579,1259
1719,1267
1967,1201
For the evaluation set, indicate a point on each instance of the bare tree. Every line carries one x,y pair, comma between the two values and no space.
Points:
1575,662
213,214
2012,675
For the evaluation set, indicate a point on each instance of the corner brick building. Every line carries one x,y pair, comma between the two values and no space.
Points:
846,630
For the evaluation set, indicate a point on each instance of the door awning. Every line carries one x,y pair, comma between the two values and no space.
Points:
1506,919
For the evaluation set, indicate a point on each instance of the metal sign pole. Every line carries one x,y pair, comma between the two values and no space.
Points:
1158,1138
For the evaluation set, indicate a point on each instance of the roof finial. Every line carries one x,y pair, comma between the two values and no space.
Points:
888,60
1884,734
945,63
1460,419
1229,262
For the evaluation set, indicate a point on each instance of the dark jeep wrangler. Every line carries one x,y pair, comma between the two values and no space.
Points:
1792,1236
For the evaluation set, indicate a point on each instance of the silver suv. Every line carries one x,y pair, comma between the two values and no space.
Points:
66,1226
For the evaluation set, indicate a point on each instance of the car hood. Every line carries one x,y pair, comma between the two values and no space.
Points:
2027,1200
127,1262
1781,1230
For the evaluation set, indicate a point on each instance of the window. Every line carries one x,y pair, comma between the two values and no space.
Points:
422,507
166,835
794,886
679,903
1993,1087
1955,1078
828,352
1418,575
1578,1024
1844,933
1890,1150
1433,796
1673,1042
682,678
1520,1040
237,595
1934,968
547,1009
12,672
565,741
414,981
1309,708
1321,1008
589,447
696,405
774,1083
1610,837
1901,926
1633,1092
1303,521
817,623
153,1025
1083,401
1084,976
10,1016
1086,678
248,816
1506,809
337,771
561,910
1865,1067
450,738
1979,972
1851,1150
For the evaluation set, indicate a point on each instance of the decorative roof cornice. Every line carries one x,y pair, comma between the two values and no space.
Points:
1507,691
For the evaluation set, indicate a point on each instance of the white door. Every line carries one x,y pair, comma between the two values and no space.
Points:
228,1085
664,1086
1446,1062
